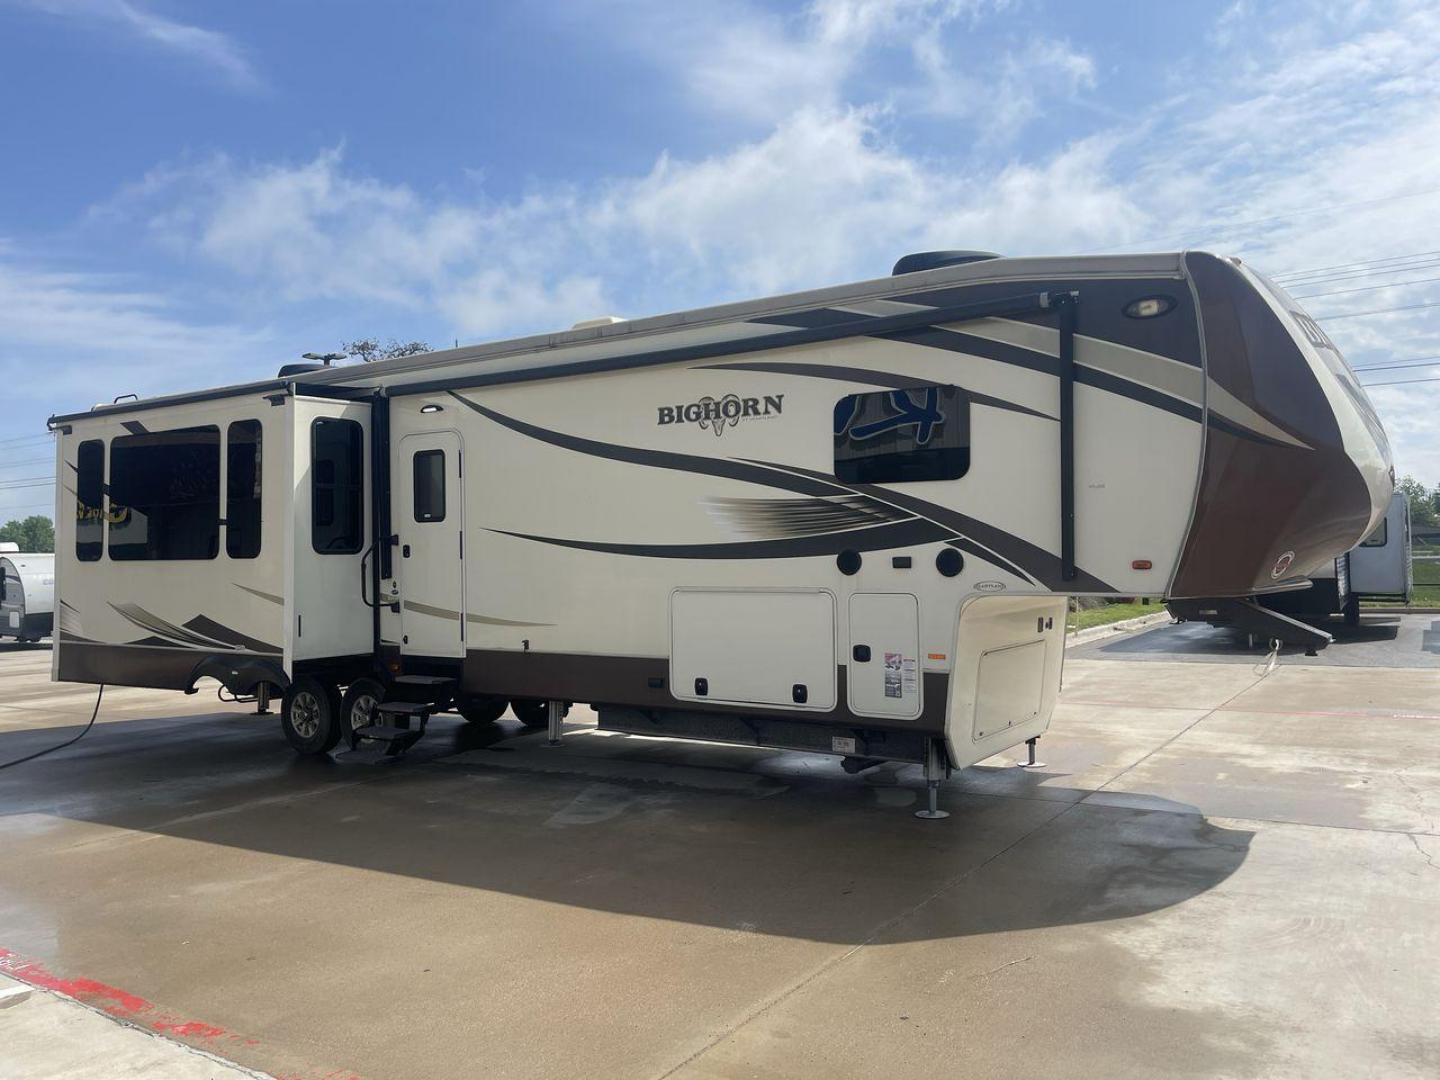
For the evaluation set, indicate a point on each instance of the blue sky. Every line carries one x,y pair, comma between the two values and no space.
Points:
195,193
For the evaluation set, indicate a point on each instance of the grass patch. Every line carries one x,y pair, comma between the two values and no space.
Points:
1106,614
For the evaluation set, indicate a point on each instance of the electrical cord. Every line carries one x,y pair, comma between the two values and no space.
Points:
67,742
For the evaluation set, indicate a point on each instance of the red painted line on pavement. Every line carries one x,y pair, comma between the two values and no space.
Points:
134,1009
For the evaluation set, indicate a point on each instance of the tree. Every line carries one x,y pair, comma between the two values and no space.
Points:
369,349
36,533
1424,503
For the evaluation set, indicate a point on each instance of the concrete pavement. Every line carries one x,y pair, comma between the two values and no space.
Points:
1216,874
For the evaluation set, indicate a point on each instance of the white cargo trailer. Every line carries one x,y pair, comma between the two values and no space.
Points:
27,593
843,520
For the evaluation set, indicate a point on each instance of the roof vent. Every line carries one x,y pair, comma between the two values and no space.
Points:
603,320
287,370
933,260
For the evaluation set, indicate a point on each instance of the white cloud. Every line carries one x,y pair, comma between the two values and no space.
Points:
1304,144
215,51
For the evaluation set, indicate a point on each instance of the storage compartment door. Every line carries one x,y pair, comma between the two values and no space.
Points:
884,668
1009,688
753,647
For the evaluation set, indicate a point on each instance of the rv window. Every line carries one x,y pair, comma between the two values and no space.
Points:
337,471
1378,537
165,494
894,436
89,496
430,485
242,489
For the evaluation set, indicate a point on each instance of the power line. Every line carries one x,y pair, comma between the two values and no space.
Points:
1315,270
28,461
1367,288
1402,382
23,479
1414,361
24,438
1331,279
1376,311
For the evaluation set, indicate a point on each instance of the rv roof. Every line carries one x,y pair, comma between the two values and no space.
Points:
403,369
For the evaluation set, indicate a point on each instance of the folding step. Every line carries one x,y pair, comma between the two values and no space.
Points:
423,680
385,733
435,690
421,709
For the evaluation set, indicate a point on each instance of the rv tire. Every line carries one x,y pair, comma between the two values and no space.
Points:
310,717
358,707
482,710
533,712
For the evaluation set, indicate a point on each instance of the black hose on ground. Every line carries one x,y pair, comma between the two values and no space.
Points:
68,742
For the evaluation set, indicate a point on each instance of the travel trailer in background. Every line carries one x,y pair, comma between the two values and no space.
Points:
27,593
1378,568
843,520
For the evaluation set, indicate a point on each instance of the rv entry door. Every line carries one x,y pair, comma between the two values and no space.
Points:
430,519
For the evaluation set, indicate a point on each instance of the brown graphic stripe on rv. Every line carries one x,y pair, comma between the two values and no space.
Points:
875,378
936,524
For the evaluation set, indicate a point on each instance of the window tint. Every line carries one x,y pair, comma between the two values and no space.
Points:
89,496
165,494
893,436
430,485
242,489
1378,537
337,471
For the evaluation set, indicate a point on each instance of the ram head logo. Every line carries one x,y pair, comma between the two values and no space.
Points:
714,412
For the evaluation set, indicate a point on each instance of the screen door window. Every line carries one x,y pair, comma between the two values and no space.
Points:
429,468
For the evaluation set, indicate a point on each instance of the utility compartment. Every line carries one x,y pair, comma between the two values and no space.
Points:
754,647
883,671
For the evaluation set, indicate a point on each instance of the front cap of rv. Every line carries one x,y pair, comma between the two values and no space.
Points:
1272,507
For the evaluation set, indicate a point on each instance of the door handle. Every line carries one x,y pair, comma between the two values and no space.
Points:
405,551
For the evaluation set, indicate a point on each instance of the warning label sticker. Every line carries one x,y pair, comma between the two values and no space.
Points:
894,686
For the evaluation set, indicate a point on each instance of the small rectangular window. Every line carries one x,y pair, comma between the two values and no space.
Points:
242,489
896,436
89,500
165,495
429,485
1378,537
337,475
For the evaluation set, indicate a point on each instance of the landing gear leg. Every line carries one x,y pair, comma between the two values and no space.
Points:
936,770
262,699
1030,762
556,720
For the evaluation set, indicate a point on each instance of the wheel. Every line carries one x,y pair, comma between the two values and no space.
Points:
310,716
532,712
357,710
481,710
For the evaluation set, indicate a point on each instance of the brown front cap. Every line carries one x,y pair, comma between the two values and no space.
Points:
1266,512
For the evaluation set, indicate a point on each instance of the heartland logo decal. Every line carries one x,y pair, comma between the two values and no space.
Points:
717,413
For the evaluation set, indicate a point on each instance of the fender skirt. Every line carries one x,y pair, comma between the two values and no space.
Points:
240,675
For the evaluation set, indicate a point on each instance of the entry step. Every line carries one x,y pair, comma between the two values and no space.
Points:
406,708
424,680
385,733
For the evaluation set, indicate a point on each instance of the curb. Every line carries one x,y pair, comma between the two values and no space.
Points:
1124,626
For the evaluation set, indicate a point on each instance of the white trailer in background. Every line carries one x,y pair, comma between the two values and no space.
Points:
844,520
27,593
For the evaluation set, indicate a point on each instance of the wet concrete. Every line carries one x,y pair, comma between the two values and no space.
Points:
1383,639
1215,874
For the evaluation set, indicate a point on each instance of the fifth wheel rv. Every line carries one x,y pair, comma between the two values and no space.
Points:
843,520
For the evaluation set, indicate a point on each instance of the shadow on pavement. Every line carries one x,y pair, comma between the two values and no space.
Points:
778,843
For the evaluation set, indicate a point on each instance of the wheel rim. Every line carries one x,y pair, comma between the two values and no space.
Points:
305,714
362,711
